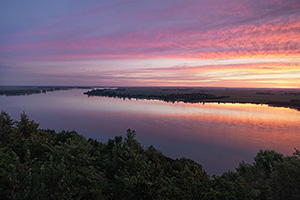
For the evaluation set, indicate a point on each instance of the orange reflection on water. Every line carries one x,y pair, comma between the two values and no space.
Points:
238,126
246,126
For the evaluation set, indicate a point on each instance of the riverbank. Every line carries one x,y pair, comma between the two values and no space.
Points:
289,98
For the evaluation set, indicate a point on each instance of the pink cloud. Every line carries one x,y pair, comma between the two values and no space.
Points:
190,30
271,40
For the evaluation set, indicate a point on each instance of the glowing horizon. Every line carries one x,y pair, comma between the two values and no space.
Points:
214,43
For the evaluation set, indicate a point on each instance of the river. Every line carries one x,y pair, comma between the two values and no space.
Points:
218,136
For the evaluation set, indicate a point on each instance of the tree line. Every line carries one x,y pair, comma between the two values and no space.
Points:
43,164
173,97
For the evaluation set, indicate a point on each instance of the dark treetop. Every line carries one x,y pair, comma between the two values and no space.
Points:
43,164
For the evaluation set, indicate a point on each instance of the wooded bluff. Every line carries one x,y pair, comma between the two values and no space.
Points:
42,164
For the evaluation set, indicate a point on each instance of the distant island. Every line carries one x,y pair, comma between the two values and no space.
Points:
193,97
43,164
289,98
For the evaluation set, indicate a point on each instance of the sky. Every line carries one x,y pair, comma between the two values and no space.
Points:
200,43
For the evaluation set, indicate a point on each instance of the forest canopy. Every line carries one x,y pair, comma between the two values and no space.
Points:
42,164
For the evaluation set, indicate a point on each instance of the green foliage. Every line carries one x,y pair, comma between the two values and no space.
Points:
285,178
43,164
26,127
6,128
272,176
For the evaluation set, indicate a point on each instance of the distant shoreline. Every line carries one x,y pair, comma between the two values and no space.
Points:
29,90
288,98
274,98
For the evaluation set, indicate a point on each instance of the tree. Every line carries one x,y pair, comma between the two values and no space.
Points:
284,180
6,129
26,127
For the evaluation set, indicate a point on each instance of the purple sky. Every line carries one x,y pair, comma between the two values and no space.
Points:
238,43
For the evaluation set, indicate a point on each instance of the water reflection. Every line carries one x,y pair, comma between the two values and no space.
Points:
218,136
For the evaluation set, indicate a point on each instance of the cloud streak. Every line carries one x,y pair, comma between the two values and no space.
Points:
207,31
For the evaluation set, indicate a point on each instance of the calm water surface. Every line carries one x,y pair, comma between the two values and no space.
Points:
218,136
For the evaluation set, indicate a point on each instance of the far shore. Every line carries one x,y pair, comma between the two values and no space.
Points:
289,98
28,90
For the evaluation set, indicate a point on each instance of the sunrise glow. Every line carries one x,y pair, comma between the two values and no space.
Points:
209,43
